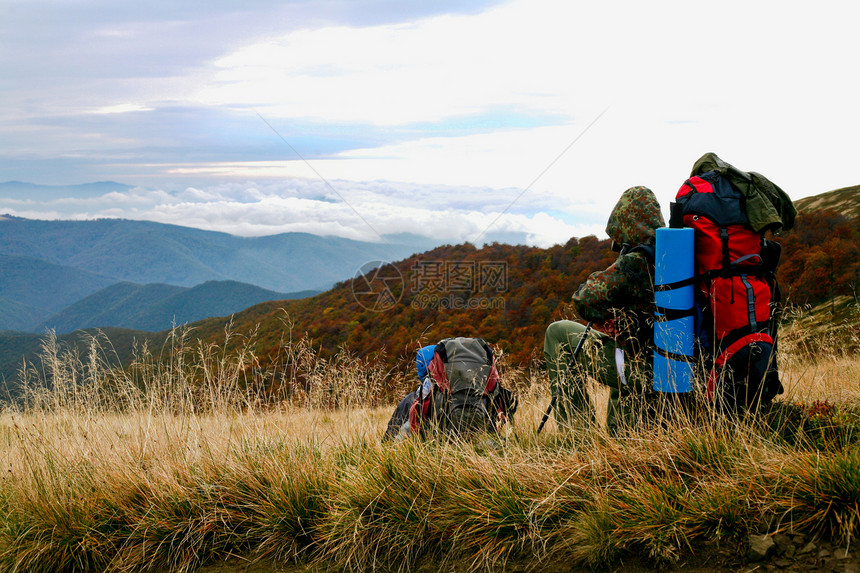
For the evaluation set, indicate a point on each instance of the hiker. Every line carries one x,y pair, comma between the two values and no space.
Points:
619,302
398,425
460,393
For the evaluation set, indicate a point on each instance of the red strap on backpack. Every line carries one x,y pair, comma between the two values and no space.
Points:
696,184
437,371
492,379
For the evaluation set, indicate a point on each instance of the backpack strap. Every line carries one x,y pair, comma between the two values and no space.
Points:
437,369
668,314
493,377
420,411
441,350
643,248
490,358
677,284
648,251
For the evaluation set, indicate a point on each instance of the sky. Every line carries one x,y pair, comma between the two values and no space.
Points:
461,121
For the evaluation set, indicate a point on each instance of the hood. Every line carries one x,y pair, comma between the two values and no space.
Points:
712,162
422,360
635,217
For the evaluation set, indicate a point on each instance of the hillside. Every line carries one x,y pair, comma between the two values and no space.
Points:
821,255
213,298
516,291
145,252
505,294
19,317
111,306
158,307
845,201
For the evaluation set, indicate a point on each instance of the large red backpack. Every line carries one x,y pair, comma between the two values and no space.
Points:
736,292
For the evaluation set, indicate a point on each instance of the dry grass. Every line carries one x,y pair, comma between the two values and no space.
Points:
174,463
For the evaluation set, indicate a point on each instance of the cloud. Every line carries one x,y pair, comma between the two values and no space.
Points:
365,211
121,108
422,71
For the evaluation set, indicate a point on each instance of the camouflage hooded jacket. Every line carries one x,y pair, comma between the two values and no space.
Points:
624,292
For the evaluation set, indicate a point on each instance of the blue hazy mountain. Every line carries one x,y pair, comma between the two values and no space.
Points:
157,307
144,252
32,289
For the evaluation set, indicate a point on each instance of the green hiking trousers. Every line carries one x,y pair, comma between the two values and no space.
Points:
628,378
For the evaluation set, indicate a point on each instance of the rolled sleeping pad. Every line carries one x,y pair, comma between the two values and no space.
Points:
674,269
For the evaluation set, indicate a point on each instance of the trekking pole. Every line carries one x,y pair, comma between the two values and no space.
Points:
570,364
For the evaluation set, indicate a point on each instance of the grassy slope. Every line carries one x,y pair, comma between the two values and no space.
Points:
91,490
845,201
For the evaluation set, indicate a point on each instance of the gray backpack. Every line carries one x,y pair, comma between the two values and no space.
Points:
465,396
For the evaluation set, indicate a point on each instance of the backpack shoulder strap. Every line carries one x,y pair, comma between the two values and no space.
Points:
643,248
436,368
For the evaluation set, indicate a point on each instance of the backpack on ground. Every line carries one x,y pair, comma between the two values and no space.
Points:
464,396
737,296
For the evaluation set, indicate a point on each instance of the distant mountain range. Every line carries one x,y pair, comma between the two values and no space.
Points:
57,274
145,252
19,189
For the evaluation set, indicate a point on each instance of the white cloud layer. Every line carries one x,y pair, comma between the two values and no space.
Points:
363,212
